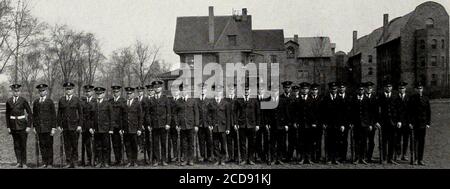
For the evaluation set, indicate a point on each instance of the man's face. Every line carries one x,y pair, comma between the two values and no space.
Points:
130,95
287,89
42,93
16,92
315,91
232,91
158,89
361,91
204,91
219,93
402,90
261,91
100,95
89,93
247,92
116,93
69,91
342,89
388,89
176,93
419,90
369,89
305,91
334,90
141,93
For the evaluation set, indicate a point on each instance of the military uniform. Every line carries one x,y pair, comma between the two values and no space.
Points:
118,109
18,122
402,133
204,133
362,124
232,145
332,122
102,128
220,118
88,122
262,140
161,111
173,134
44,116
132,127
388,121
306,124
344,107
70,118
372,103
316,110
293,132
248,119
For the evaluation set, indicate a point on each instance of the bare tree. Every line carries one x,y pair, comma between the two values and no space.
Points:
145,56
122,60
24,28
29,68
5,28
93,57
318,50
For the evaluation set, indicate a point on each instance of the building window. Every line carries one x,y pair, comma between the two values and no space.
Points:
302,74
370,59
422,44
434,44
306,62
443,44
422,61
189,59
290,52
434,60
434,80
443,61
232,40
370,71
273,59
252,58
429,23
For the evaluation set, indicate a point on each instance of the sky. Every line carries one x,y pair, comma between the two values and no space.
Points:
119,23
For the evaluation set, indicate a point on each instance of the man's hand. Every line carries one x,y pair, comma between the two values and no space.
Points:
91,131
399,125
411,126
34,130
139,132
79,129
196,128
28,130
236,127
378,125
295,125
286,128
370,128
59,128
342,128
314,125
178,128
227,132
257,128
52,132
9,131
111,132
210,128
167,127
428,126
149,128
121,132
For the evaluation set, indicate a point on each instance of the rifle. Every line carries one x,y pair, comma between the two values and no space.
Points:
352,145
380,144
238,146
93,150
123,147
297,153
212,143
144,145
36,143
269,155
179,147
167,145
325,144
412,147
151,146
195,146
61,148
83,149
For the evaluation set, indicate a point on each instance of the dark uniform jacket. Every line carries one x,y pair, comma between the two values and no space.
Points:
264,113
316,109
361,112
388,110
173,110
161,112
420,111
402,109
273,115
18,109
44,115
345,110
187,116
234,105
331,108
374,109
117,111
133,117
248,113
144,103
203,111
70,113
220,115
283,110
304,115
146,107
88,113
103,117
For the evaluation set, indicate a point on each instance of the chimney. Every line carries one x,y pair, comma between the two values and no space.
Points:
355,37
244,14
385,25
296,38
211,25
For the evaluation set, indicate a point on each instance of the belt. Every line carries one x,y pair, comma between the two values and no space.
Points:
17,117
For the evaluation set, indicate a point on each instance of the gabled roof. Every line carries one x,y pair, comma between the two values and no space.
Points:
310,47
268,40
394,28
367,43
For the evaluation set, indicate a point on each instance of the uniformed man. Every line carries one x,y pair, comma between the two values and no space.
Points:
160,123
70,119
232,144
344,103
147,120
361,121
118,104
262,140
332,123
187,121
132,126
283,115
402,131
143,101
18,124
102,128
372,101
173,133
420,121
306,124
220,120
204,131
293,137
248,121
317,118
88,122
387,122
44,116
277,129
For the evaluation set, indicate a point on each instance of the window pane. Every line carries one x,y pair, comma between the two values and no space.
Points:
232,40
434,61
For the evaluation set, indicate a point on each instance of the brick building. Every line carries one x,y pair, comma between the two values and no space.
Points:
310,59
411,48
226,39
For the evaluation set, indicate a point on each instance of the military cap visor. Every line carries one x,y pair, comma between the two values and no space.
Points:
157,83
369,84
140,88
287,83
88,87
295,87
41,87
99,90
129,89
68,85
304,85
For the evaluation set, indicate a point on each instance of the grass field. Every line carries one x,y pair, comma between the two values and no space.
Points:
437,151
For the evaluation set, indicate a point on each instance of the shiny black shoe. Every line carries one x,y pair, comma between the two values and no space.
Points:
421,163
251,162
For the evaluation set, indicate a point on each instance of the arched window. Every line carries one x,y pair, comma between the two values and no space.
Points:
370,71
434,43
422,44
290,52
429,23
443,43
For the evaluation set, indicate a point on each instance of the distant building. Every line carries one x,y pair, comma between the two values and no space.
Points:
226,39
310,59
411,48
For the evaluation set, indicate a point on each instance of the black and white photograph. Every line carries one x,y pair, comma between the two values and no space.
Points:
224,85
